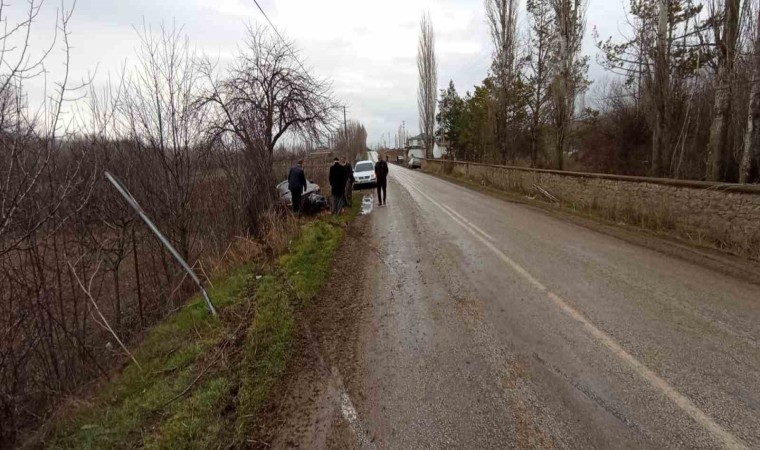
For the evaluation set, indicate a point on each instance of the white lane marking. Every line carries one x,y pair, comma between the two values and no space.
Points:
684,403
474,227
347,409
352,417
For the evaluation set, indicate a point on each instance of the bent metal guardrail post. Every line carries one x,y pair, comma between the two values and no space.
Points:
136,206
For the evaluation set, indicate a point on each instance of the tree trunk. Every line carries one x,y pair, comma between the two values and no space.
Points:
535,128
661,92
562,95
560,148
427,90
117,299
137,279
658,142
752,137
569,29
717,148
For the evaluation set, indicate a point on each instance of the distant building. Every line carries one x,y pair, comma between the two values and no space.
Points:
416,147
416,142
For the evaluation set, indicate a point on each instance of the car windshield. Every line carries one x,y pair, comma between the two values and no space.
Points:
365,167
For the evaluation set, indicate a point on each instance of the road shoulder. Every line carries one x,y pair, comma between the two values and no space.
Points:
309,413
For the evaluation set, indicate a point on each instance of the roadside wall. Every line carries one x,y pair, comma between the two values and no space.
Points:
727,215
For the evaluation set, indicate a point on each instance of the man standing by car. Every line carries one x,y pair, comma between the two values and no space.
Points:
349,182
381,172
297,185
338,178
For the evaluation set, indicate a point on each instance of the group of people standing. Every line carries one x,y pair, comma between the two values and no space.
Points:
341,181
342,174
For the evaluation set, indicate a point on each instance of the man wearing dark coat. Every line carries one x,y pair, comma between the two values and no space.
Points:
297,185
381,174
338,178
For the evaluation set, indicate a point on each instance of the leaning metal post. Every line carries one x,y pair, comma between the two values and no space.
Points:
136,206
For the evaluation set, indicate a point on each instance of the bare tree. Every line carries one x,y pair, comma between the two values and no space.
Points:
570,70
726,33
29,140
751,147
268,84
44,182
71,256
539,65
659,60
660,89
351,142
165,125
427,91
501,16
266,95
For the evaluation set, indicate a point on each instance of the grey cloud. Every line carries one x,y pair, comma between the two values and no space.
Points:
378,82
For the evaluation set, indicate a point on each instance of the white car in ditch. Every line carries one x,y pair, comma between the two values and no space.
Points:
364,174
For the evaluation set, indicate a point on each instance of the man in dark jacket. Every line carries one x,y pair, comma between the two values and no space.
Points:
338,178
381,173
297,185
349,182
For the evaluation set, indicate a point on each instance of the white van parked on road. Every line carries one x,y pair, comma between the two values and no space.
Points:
364,174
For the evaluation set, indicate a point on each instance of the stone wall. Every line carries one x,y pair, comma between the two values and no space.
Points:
724,214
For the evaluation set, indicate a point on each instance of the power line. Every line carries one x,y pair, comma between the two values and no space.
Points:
271,24
287,44
292,52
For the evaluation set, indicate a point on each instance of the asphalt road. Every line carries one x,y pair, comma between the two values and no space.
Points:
495,325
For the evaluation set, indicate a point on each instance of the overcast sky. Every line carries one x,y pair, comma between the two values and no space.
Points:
366,48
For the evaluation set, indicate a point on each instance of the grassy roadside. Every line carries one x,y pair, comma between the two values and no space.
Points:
204,381
269,343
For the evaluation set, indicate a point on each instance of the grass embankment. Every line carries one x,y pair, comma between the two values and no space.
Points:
204,381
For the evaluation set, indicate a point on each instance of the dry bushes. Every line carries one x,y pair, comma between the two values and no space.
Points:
77,268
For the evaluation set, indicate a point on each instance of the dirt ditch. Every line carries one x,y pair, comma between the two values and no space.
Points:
307,410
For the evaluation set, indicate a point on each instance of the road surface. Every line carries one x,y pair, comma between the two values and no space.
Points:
490,324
